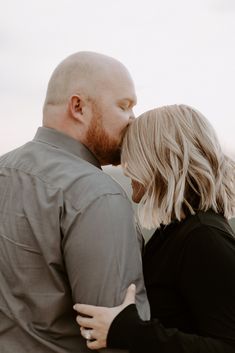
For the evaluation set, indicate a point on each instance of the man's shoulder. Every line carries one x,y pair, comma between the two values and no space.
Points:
12,159
77,178
92,184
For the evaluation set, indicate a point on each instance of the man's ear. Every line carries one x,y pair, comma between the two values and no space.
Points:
76,107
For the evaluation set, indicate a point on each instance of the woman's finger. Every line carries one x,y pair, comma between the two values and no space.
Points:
91,335
85,321
88,334
96,344
86,309
94,341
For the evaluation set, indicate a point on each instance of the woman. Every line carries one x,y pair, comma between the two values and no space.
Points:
185,188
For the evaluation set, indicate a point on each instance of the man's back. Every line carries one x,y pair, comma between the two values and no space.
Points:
52,194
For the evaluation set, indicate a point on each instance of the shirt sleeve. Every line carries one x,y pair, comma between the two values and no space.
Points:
208,287
102,254
129,331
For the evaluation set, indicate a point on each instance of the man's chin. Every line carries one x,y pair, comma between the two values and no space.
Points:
116,159
111,158
116,163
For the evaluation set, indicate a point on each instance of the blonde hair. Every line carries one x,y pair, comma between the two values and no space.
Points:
174,153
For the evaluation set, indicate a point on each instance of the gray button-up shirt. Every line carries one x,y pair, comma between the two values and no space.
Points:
67,235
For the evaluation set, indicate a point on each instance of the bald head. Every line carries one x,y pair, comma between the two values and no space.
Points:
85,73
91,93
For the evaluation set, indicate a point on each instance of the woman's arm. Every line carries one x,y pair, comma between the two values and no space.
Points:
129,331
207,285
121,327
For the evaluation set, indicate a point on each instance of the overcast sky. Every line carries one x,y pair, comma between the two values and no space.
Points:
177,52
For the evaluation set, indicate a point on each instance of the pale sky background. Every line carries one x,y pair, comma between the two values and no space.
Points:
177,52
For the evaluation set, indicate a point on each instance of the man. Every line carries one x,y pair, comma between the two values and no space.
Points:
67,233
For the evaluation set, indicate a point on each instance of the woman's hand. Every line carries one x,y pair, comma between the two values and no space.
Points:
95,328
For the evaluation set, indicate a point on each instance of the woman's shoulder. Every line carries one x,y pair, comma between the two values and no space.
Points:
208,235
206,223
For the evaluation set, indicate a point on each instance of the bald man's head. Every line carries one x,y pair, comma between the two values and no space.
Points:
84,73
90,98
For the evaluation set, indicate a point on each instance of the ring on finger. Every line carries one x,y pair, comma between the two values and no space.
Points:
87,334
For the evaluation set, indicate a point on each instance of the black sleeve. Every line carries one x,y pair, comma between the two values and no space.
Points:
207,285
129,331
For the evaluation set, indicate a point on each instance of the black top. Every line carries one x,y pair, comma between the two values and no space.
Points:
189,270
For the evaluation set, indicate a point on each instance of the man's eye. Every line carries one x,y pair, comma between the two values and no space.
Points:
123,108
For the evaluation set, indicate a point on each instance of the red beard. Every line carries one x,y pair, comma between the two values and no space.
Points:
106,149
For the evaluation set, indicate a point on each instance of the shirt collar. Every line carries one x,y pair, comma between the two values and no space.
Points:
59,140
